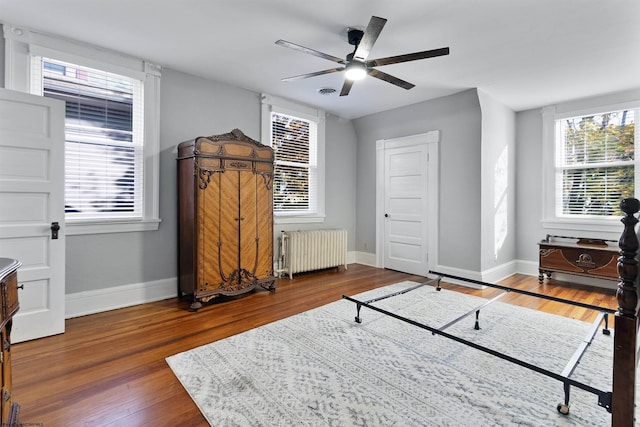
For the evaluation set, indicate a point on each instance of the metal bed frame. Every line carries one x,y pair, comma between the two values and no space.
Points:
620,402
604,397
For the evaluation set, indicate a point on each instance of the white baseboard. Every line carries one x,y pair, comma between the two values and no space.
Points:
500,272
351,257
90,302
467,274
530,268
365,258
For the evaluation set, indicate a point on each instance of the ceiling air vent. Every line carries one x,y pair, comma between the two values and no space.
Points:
326,91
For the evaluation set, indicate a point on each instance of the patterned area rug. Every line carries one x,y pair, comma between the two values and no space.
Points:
320,368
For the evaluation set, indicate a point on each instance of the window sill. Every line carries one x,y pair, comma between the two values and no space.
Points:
298,219
603,228
112,226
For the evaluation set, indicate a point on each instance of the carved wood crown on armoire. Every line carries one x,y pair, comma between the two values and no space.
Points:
225,216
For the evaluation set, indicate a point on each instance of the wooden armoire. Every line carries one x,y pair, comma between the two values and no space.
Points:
225,216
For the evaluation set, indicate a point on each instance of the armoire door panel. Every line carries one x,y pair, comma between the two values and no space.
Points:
208,236
264,228
229,220
248,255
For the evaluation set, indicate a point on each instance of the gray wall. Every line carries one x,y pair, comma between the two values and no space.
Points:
458,117
529,184
498,231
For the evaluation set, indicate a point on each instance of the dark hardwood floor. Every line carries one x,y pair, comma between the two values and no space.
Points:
108,369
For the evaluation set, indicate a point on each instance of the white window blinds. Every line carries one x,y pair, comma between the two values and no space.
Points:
294,141
104,138
596,160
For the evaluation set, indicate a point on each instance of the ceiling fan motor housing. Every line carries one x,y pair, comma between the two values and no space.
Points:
354,36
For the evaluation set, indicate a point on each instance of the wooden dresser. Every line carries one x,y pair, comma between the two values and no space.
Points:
583,257
9,410
225,216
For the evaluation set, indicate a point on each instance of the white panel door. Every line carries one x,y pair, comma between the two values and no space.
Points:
405,209
31,200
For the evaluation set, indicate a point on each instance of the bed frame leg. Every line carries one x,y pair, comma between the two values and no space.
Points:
358,318
563,408
477,325
606,329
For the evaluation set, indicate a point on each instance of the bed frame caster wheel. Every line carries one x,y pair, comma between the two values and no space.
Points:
358,319
563,409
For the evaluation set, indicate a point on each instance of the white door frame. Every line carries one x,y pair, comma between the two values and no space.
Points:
432,139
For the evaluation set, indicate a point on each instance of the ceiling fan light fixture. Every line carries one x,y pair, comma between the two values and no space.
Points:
355,71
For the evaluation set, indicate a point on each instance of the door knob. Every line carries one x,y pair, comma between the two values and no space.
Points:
55,226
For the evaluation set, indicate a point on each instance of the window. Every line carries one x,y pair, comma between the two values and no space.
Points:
111,127
590,165
104,138
596,159
294,144
296,134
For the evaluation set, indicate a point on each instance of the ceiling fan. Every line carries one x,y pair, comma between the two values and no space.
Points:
356,65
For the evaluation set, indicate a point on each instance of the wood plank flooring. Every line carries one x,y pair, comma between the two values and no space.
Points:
108,369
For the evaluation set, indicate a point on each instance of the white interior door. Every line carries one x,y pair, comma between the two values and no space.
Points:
31,200
406,209
409,203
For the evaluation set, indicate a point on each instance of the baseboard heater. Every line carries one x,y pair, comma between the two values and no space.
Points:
310,250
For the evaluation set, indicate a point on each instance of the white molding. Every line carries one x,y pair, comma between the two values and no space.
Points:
528,268
500,272
103,227
432,140
551,178
91,302
100,300
366,258
270,103
467,274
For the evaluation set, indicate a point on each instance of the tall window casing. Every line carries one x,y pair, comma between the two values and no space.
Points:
295,182
590,165
104,132
596,160
111,127
296,134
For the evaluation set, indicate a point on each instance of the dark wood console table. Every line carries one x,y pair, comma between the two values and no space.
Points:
9,410
583,257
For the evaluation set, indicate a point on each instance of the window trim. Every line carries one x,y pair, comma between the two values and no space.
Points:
550,219
280,105
21,44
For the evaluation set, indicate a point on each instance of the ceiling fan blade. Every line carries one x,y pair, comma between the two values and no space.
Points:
390,79
408,57
370,36
346,87
310,51
317,73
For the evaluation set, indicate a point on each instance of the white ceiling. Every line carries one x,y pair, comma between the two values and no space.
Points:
524,53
